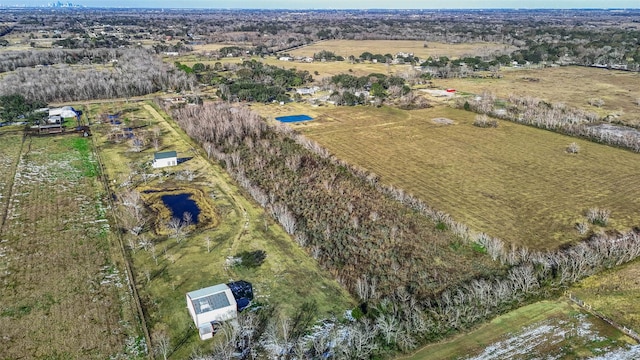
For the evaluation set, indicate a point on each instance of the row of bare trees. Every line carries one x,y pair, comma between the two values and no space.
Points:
554,116
380,242
137,72
12,60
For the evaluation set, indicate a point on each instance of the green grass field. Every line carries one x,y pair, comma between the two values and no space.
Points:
547,329
614,293
513,182
287,278
63,292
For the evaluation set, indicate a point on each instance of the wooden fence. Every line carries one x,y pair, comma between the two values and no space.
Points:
587,307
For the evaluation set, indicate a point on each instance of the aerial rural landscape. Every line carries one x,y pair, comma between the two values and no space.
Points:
319,183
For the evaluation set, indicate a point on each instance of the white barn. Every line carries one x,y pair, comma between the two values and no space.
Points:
210,305
163,159
64,112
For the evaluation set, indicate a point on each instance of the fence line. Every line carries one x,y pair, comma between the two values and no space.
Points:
632,334
131,279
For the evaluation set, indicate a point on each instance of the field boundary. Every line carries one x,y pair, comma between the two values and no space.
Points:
132,285
5,213
587,307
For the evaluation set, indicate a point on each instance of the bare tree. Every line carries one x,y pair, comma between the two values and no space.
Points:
597,102
187,218
177,227
598,216
162,344
573,148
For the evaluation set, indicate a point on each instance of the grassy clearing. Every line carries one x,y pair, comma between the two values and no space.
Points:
514,182
63,294
170,268
614,293
548,329
434,49
572,85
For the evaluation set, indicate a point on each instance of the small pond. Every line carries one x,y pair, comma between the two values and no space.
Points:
294,118
180,204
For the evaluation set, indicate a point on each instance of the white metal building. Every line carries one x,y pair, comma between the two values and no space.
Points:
163,159
211,305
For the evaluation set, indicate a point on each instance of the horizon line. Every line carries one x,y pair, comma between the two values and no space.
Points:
78,6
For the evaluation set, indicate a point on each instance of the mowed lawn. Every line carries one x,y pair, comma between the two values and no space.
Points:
572,85
514,182
62,294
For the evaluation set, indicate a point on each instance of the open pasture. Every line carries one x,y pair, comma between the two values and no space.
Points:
614,293
167,267
546,329
514,182
63,294
572,85
433,49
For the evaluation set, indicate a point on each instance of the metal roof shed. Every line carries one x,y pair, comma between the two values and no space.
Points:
211,305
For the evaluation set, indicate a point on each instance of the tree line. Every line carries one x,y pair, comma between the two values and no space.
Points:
554,116
137,72
12,60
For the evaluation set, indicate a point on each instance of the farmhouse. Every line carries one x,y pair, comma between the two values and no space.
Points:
163,159
64,112
210,306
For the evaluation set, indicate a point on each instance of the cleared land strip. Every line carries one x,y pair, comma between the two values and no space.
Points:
62,294
165,268
124,259
10,151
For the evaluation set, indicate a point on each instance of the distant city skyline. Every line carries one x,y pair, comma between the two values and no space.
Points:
353,4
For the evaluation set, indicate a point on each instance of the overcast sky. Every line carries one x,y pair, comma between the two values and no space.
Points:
343,4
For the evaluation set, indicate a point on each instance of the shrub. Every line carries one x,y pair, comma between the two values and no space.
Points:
582,227
598,216
251,259
573,148
483,121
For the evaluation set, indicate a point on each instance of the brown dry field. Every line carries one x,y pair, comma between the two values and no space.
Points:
572,85
434,49
62,294
324,69
514,182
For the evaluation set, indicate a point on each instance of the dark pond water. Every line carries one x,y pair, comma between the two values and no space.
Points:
180,204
